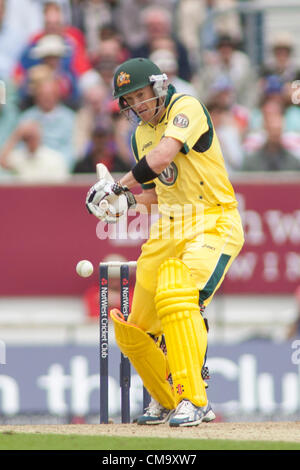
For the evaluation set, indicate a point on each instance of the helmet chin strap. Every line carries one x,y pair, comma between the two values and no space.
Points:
158,108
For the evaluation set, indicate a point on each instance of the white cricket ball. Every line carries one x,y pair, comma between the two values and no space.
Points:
84,268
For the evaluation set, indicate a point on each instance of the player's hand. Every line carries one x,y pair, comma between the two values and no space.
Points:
96,194
109,201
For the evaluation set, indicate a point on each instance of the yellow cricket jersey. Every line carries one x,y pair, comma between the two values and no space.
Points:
197,175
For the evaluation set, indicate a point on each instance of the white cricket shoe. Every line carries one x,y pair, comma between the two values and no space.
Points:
188,414
155,414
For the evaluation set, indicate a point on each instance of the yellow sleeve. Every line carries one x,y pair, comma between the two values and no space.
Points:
134,148
188,120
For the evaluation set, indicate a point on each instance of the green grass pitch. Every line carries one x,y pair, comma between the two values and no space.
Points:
16,441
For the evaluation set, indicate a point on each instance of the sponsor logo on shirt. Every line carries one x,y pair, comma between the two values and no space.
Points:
181,120
169,175
148,144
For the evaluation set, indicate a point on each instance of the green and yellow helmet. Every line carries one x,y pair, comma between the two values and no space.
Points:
138,73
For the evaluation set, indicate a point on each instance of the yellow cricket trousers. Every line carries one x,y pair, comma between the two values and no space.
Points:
207,245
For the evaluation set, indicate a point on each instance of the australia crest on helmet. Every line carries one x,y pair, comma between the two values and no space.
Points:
123,79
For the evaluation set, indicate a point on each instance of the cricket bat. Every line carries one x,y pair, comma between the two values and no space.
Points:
102,172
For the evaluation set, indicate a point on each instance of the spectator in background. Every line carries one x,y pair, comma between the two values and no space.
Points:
56,120
36,75
198,31
229,62
157,22
101,150
109,35
282,63
11,42
271,91
94,111
32,161
122,132
222,92
126,18
94,15
54,24
229,134
230,121
290,93
21,17
9,112
77,17
109,56
27,15
276,79
272,155
167,62
276,97
229,137
52,51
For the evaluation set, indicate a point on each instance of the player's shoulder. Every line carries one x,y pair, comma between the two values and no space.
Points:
186,106
180,100
184,97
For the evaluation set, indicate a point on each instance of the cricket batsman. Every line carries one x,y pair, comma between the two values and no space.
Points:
180,166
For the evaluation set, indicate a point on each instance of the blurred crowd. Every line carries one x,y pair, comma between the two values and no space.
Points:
57,61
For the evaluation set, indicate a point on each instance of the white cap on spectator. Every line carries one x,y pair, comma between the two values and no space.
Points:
283,39
89,79
49,45
165,60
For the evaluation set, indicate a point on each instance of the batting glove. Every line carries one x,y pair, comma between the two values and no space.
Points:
109,201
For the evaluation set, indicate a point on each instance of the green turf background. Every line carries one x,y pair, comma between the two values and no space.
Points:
14,441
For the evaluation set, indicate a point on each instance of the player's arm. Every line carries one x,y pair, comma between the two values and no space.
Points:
151,166
16,136
147,169
145,200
